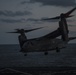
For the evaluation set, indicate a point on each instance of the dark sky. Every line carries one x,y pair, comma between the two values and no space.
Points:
25,13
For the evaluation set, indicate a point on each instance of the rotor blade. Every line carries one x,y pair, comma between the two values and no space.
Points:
33,29
20,30
57,17
72,38
69,12
66,15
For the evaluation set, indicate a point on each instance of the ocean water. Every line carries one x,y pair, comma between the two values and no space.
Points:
11,57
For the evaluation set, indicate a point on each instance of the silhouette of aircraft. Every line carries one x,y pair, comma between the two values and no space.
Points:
48,42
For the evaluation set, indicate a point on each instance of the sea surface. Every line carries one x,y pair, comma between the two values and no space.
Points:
11,57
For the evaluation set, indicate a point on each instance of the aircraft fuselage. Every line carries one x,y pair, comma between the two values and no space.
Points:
38,45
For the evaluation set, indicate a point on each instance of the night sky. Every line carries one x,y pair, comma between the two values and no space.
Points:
26,13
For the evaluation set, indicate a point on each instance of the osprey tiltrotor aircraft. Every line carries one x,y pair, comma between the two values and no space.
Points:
48,42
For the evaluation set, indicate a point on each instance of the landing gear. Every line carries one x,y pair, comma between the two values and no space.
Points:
46,53
25,54
57,49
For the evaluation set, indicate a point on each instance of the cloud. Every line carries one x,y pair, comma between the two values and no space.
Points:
71,20
24,2
12,20
55,2
72,25
19,20
30,20
13,14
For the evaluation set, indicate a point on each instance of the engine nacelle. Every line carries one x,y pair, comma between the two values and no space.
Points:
63,30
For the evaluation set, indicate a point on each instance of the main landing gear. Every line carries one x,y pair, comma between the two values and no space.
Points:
25,54
57,49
